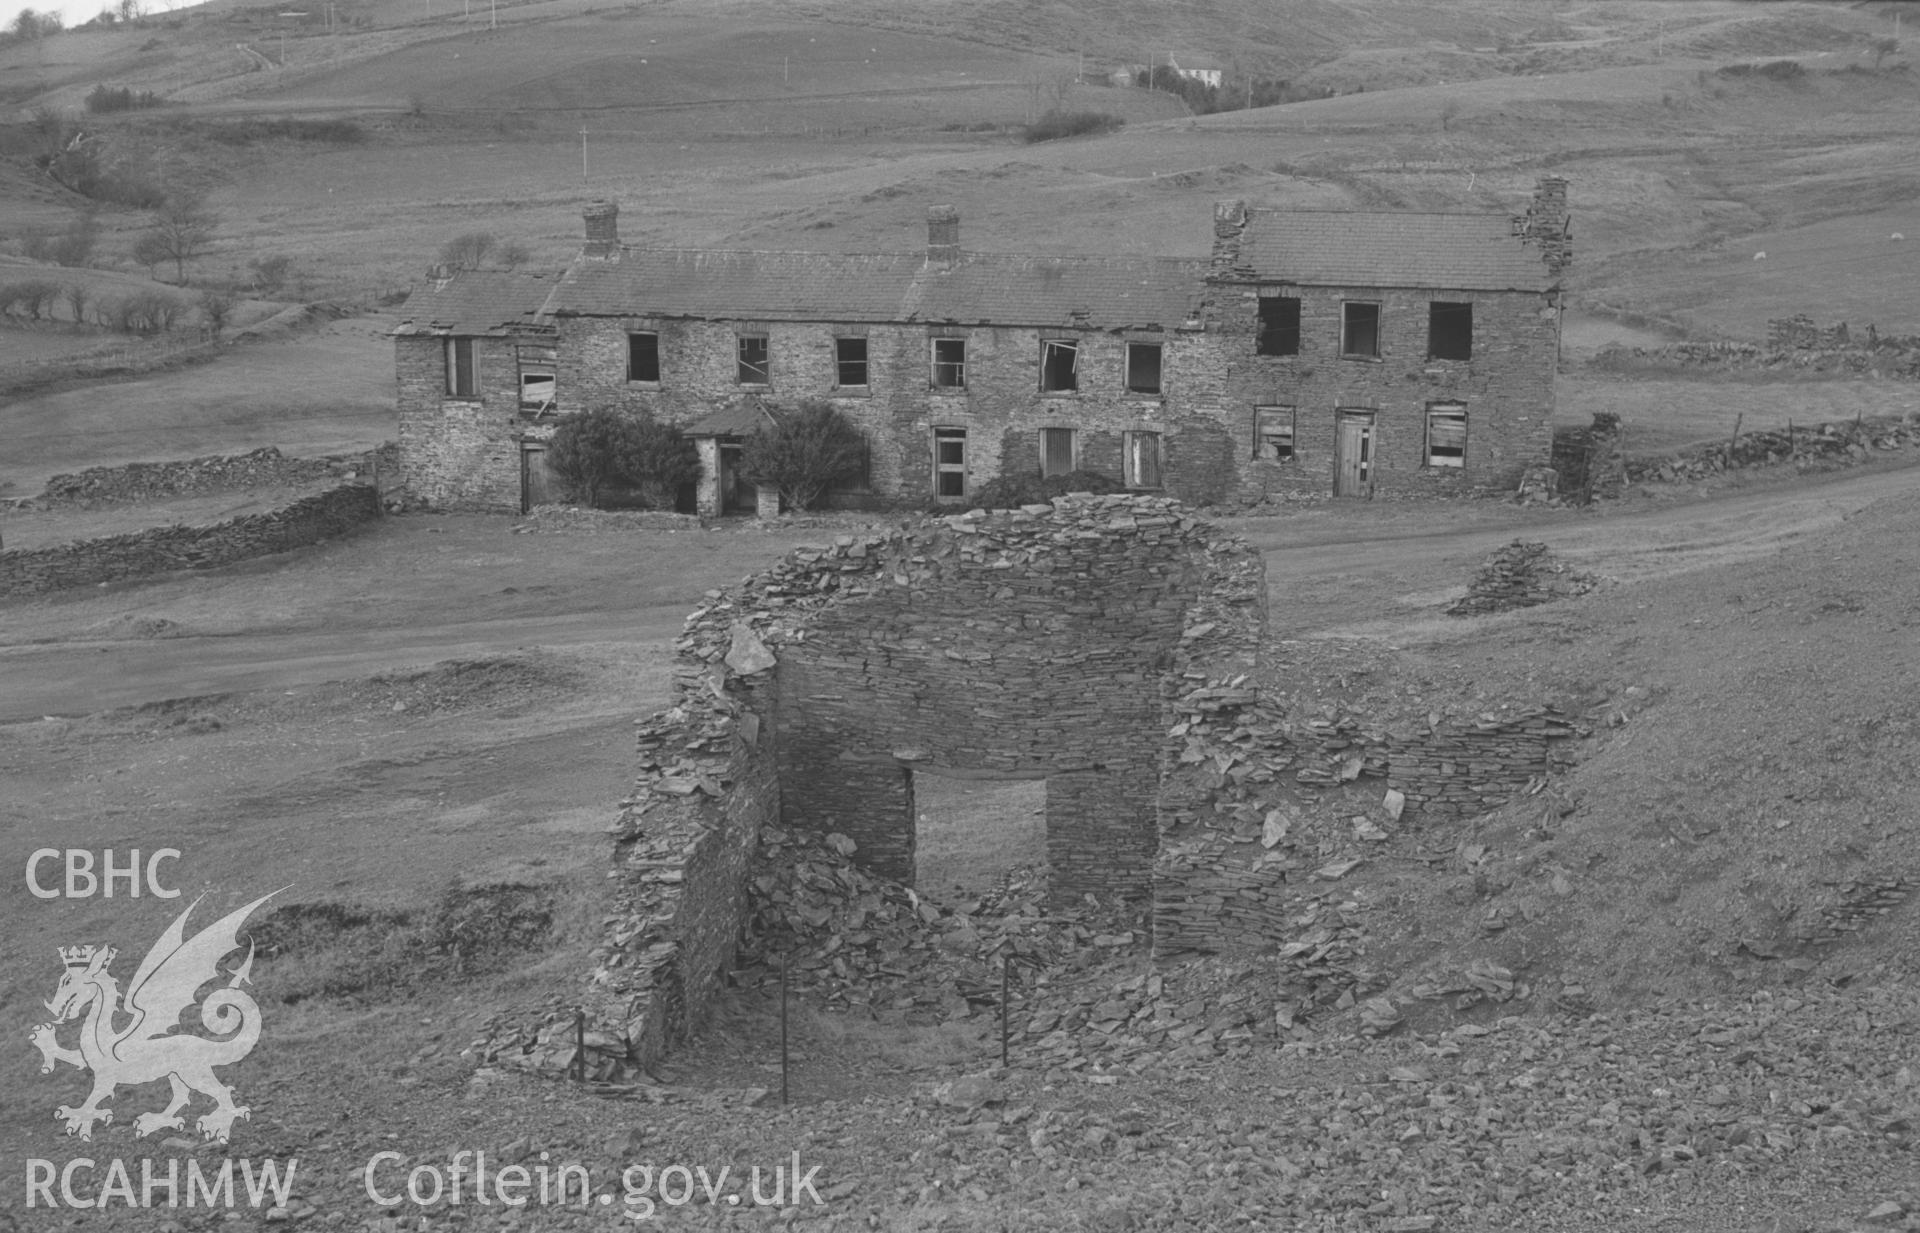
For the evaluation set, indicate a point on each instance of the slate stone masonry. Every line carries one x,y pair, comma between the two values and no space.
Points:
161,549
1046,642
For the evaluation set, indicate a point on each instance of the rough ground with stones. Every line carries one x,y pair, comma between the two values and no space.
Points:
1673,989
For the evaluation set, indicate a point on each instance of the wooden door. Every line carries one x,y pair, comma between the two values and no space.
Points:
1353,454
1056,451
537,482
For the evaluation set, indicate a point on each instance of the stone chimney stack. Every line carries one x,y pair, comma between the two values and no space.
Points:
943,236
1548,225
1229,225
603,230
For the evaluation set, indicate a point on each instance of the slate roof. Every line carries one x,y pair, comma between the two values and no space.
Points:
1353,248
737,419
979,288
480,302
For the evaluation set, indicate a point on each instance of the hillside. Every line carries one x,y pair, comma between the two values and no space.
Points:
833,125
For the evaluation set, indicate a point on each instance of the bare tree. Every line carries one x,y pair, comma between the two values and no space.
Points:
183,227
216,308
1882,48
53,130
29,25
78,296
149,251
467,252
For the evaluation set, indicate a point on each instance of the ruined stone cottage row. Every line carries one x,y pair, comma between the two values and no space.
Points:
1314,351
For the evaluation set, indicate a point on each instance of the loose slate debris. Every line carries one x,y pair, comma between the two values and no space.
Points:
1521,575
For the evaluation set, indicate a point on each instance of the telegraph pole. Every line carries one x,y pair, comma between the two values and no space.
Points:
583,151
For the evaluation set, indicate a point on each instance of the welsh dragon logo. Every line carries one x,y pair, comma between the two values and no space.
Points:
143,1046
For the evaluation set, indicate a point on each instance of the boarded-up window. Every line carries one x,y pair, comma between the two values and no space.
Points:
1143,368
753,359
1059,365
1142,451
950,363
949,462
850,358
1446,435
536,386
1279,327
1273,433
462,380
1449,331
643,357
1360,330
1056,451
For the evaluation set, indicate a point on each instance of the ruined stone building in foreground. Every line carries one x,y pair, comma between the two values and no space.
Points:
1339,352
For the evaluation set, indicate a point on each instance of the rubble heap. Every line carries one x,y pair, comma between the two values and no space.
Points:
1267,809
1521,575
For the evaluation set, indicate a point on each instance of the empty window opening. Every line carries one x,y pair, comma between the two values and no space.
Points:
536,388
1360,330
1142,454
949,463
1056,451
850,357
950,363
1446,435
1143,368
1059,365
643,357
753,359
1273,433
1449,331
973,835
1279,332
462,380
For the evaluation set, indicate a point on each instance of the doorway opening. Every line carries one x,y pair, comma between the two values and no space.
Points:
972,835
737,495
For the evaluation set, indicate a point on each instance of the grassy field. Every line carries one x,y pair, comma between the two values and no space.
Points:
833,125
1663,415
968,833
329,391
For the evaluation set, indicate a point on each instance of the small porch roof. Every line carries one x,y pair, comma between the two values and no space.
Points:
737,419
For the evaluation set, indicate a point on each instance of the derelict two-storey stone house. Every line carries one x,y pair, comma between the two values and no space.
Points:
956,366
1401,351
1332,352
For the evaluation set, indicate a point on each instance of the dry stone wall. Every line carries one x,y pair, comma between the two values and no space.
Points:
1108,645
1262,804
1044,642
1792,343
1813,447
148,481
159,550
1587,462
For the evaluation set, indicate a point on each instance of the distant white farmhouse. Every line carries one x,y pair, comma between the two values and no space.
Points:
1203,71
